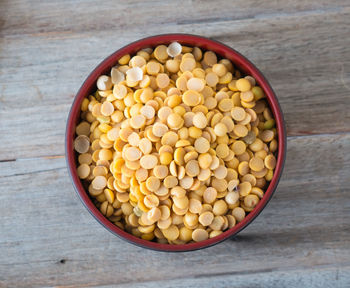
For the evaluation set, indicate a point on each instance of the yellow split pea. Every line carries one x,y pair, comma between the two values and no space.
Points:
176,146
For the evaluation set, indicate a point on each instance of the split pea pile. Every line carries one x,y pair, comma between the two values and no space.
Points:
175,145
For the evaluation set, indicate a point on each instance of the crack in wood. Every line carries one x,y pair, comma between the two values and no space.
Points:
7,160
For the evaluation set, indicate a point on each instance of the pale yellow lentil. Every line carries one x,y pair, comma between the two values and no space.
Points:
176,145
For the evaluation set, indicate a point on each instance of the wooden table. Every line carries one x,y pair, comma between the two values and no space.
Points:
48,238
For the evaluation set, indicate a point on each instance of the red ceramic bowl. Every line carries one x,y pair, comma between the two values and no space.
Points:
220,49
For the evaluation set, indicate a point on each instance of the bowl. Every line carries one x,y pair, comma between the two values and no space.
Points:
243,64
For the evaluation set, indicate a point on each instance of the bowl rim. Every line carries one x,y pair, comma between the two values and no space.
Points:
220,49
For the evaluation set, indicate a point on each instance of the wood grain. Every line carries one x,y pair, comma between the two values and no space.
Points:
48,238
62,17
47,233
316,277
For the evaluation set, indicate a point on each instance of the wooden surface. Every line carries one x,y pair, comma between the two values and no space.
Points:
47,237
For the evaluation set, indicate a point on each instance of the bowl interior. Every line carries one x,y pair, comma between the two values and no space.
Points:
221,50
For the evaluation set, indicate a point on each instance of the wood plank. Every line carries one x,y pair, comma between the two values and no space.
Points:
24,17
316,277
31,165
307,65
48,238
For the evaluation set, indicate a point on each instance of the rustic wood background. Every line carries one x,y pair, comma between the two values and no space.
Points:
47,237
